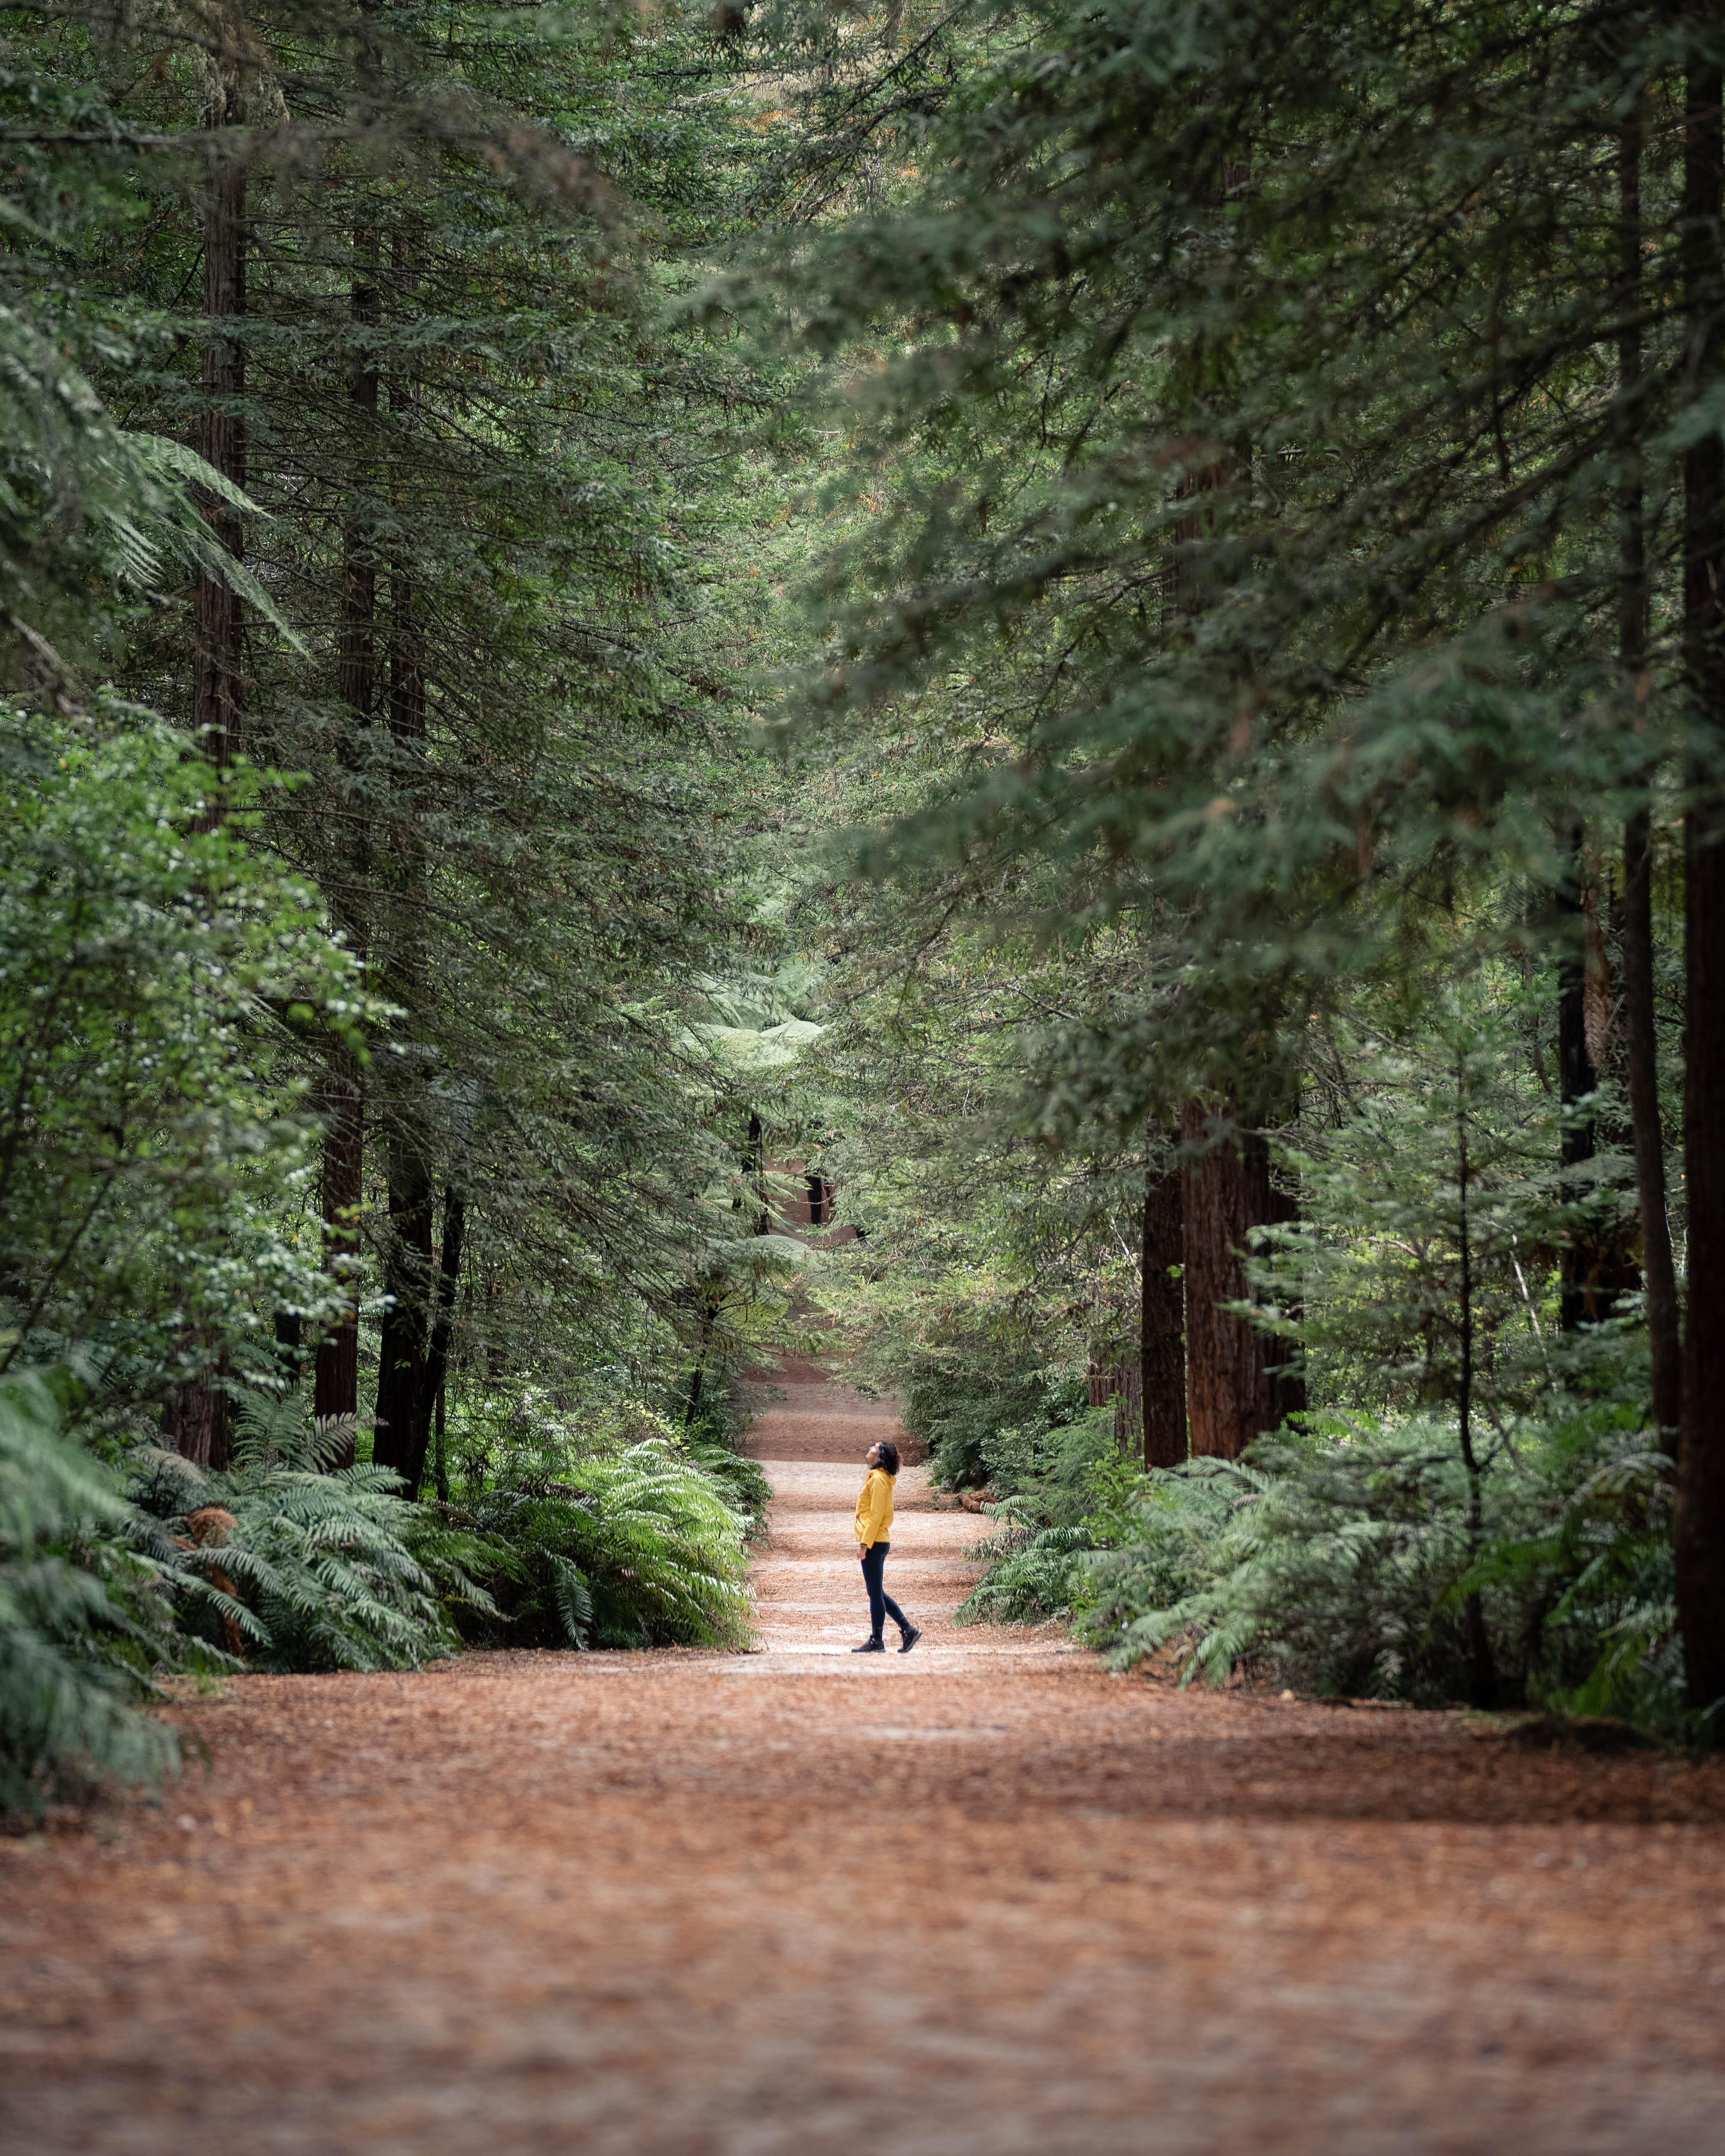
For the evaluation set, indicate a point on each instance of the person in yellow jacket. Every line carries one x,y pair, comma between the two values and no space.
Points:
874,1525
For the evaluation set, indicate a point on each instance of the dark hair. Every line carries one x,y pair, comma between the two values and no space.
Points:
889,1454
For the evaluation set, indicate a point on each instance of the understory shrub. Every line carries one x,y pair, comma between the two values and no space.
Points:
986,1427
82,1623
115,1574
296,1566
1061,1491
645,1548
1342,1561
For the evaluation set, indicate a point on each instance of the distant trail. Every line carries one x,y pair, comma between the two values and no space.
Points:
809,1591
982,1900
817,1418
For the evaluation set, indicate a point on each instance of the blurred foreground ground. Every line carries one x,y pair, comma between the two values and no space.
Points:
978,1900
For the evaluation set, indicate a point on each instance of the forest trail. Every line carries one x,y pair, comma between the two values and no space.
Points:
981,1900
809,1594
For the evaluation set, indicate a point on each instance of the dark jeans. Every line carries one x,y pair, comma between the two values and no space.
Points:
881,1605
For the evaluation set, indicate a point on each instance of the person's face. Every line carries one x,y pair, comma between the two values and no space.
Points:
872,1457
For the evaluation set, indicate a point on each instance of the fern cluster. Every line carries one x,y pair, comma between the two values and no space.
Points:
1343,1562
1061,1484
82,1622
1030,1571
648,1547
310,1568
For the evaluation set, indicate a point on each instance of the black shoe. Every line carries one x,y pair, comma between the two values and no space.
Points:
870,1647
913,1633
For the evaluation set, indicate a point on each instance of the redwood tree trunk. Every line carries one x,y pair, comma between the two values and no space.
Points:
1162,1335
1640,1030
197,1416
1230,1396
443,1333
357,657
196,1419
335,1384
1128,1397
1701,1464
404,1341
1658,1268
1576,1079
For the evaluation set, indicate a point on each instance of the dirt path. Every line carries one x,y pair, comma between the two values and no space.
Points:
980,1900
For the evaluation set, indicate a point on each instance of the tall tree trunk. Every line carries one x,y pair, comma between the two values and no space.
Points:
1473,1612
218,613
336,1385
1162,1335
357,657
1577,1080
1658,1269
336,1378
404,1338
1128,1398
1230,1396
756,1168
196,1417
1700,1535
437,1360
404,1345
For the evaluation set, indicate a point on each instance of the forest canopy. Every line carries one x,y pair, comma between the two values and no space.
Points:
1098,630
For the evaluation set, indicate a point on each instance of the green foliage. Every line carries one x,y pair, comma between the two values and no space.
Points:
1062,1487
744,1481
985,1427
302,1566
150,972
1432,1209
80,1625
1340,1562
646,1546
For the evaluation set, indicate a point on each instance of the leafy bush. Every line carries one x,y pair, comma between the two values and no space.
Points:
985,1428
80,1625
1063,1488
643,1548
149,1119
300,1567
1344,1561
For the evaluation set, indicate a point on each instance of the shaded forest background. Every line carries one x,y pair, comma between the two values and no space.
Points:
1095,633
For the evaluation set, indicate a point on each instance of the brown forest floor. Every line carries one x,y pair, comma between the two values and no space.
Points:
981,1900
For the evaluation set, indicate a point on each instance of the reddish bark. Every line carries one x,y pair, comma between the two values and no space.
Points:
1231,1396
1161,1336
